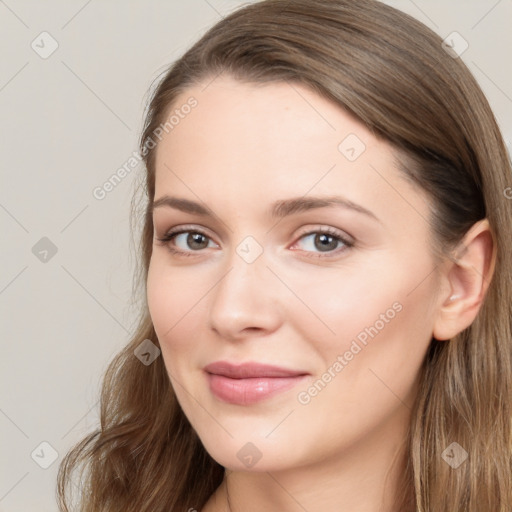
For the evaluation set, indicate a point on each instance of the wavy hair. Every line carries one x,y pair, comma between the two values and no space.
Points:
392,73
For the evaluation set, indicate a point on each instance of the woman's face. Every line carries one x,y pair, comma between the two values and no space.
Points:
342,295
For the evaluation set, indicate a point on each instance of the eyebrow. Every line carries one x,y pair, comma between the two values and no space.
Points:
279,209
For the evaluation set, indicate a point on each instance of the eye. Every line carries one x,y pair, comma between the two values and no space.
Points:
325,240
185,242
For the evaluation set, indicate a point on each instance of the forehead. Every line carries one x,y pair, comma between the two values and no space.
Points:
273,115
243,142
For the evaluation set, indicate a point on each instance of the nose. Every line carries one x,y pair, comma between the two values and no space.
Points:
246,301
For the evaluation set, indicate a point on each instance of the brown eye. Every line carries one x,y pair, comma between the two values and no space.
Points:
197,241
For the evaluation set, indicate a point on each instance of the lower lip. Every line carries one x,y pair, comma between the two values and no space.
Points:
251,390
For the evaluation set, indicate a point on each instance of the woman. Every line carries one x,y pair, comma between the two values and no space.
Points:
326,258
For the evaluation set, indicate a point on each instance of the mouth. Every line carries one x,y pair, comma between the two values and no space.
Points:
249,383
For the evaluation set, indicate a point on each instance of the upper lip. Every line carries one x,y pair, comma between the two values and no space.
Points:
250,370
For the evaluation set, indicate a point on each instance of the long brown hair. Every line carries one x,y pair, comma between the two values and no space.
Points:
392,73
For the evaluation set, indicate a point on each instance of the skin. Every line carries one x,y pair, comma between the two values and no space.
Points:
243,147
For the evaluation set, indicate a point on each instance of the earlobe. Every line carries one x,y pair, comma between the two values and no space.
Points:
467,279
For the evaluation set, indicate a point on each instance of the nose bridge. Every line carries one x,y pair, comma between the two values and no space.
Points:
245,297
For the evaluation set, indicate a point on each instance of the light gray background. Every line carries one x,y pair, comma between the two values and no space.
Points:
69,121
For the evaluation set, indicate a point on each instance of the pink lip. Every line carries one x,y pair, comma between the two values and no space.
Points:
249,383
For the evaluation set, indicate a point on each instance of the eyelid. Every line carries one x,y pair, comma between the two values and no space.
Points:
323,228
185,228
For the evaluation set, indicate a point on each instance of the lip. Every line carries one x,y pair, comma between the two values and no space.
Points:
250,370
249,383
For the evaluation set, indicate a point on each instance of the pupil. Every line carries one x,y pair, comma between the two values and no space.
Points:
325,240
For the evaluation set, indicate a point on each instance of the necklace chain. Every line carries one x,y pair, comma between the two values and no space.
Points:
227,496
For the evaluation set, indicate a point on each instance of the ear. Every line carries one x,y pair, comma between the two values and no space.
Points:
466,280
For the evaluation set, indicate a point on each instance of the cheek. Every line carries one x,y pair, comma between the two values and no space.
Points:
343,303
174,302
388,307
368,369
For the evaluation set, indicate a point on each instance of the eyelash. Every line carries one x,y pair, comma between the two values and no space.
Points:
170,235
